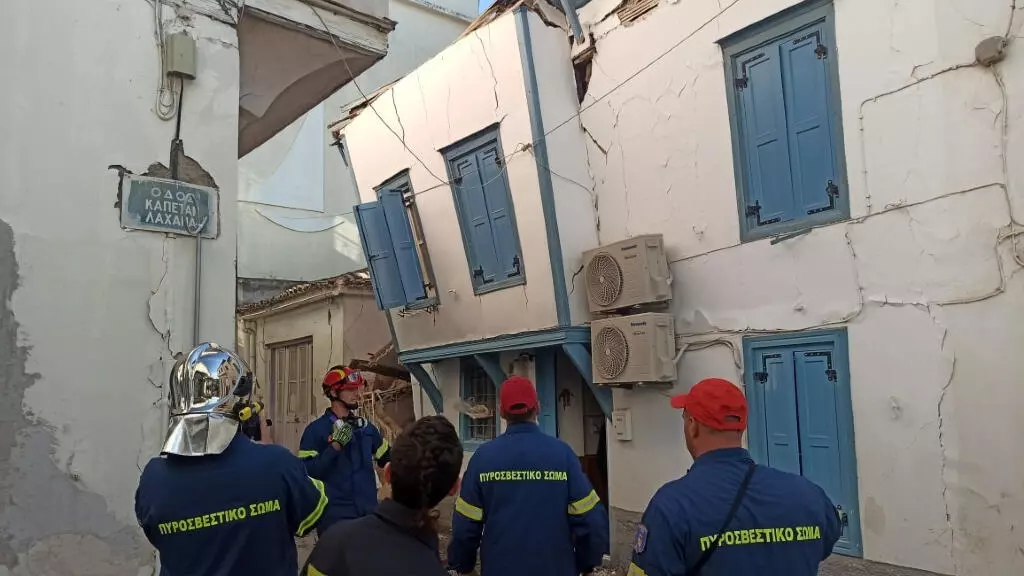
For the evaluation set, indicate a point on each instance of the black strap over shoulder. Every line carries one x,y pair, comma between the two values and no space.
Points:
695,570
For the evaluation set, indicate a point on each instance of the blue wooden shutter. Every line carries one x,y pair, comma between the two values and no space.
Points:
765,139
380,256
484,262
812,152
499,208
819,428
774,372
404,245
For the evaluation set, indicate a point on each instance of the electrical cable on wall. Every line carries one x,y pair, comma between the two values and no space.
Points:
164,109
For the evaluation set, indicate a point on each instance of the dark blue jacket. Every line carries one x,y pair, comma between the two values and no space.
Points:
347,474
785,525
525,494
233,514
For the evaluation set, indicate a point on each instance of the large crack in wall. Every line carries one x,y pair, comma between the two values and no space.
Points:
78,535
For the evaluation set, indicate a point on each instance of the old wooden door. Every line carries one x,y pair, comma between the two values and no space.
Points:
291,366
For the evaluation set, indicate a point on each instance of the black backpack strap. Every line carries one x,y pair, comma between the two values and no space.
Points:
695,570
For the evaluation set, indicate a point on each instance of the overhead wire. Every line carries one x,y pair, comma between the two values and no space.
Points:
522,147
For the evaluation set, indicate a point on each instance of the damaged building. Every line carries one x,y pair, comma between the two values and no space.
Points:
108,107
819,203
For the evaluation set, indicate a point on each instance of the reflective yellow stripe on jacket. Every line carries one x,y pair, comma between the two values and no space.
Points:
585,504
384,447
312,571
303,454
314,516
468,510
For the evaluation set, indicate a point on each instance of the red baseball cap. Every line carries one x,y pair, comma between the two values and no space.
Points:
715,403
518,396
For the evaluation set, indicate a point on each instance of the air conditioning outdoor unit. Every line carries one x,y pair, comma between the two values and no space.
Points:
633,349
627,273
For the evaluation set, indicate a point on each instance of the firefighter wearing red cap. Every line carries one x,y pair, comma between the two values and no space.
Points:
340,448
727,515
525,502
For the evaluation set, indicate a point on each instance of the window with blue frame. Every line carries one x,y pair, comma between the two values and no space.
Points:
479,421
784,109
395,254
476,168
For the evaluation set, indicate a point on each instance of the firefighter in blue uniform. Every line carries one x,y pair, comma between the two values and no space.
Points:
728,516
340,448
525,501
215,503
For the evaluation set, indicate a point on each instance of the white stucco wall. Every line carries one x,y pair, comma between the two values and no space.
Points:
296,193
90,314
576,208
476,82
923,277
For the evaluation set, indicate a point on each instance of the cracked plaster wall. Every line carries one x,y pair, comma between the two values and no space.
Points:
89,313
473,84
924,276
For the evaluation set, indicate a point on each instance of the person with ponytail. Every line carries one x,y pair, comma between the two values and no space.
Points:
400,537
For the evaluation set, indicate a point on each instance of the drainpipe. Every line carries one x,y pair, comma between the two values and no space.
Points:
199,279
573,18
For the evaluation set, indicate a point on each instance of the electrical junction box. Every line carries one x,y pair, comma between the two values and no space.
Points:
622,425
180,55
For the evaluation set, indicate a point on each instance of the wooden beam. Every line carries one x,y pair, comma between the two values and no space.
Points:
390,371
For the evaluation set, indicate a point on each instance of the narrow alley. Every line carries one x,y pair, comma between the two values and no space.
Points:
785,236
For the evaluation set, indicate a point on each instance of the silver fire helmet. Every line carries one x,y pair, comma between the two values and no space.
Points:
207,389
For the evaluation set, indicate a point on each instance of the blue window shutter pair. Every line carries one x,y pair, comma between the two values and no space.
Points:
788,143
390,251
481,188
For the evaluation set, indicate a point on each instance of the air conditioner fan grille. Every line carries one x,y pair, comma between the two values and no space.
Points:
612,352
604,278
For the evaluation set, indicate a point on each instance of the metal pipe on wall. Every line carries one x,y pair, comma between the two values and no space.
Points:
197,303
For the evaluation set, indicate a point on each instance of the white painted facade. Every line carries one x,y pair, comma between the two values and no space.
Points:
296,192
91,315
923,275
473,84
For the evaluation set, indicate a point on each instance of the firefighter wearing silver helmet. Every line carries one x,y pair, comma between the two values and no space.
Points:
214,503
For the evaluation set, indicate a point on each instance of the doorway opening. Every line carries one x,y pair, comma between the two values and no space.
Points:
582,424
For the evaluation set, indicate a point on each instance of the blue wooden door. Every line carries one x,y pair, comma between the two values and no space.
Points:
820,444
798,426
780,416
